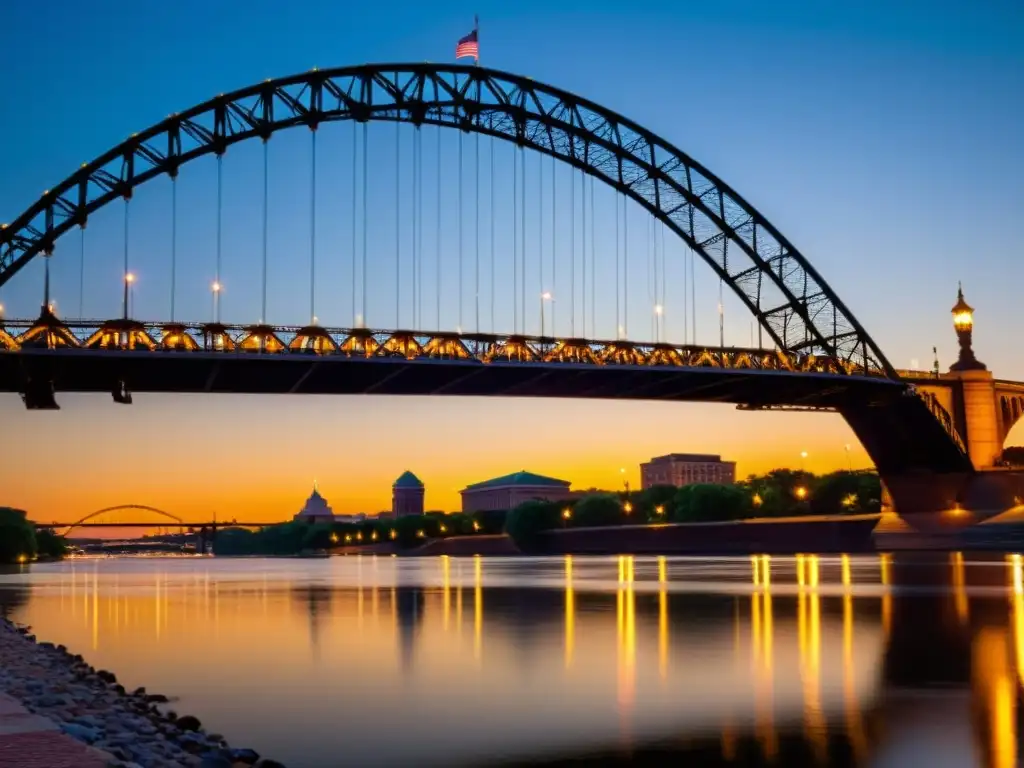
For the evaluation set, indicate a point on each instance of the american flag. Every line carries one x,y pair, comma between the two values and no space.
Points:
468,46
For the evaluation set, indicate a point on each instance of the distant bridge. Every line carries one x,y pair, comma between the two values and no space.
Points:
169,521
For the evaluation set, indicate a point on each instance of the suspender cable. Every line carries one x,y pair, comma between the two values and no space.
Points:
493,258
81,274
540,232
366,208
437,233
618,272
515,242
658,309
415,222
664,279
721,314
312,229
572,252
693,298
554,247
220,215
398,223
593,264
460,230
126,276
476,247
355,152
522,232
626,267
419,227
583,211
686,299
266,216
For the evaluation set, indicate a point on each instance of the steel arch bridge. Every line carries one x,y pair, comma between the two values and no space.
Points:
787,296
818,340
174,519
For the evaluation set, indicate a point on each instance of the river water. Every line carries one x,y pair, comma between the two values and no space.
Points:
377,661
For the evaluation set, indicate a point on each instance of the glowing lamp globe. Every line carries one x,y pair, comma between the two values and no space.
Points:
963,313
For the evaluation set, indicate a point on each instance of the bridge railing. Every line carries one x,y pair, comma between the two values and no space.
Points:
133,336
943,417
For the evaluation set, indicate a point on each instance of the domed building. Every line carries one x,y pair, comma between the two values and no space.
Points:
407,495
316,509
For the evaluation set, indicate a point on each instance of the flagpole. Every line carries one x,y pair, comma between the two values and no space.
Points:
476,29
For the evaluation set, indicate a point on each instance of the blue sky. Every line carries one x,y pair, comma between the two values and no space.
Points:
883,138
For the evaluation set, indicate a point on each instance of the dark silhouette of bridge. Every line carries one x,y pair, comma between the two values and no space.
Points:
167,520
816,356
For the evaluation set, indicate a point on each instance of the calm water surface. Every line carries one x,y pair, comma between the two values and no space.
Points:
881,661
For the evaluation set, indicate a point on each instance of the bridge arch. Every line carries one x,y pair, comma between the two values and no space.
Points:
119,507
783,291
1011,408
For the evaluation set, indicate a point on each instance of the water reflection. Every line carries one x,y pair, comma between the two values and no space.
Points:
784,661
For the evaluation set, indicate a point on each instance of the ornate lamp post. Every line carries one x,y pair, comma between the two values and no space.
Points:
963,322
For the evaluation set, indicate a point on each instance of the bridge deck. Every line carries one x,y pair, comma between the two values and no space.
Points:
80,370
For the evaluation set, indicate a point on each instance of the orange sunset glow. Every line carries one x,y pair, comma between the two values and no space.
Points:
256,457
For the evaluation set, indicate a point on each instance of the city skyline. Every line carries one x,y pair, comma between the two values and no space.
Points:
868,207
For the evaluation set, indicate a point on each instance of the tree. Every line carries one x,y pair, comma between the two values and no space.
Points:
650,500
1014,455
490,520
526,522
847,493
706,502
50,546
598,509
17,536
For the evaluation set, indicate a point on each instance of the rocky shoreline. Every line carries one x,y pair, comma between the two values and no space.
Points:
135,729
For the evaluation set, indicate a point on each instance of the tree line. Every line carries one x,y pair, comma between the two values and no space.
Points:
779,493
20,542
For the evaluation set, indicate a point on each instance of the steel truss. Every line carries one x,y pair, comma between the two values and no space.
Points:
132,336
790,300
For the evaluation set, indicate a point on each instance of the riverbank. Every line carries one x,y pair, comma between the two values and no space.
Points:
56,711
763,536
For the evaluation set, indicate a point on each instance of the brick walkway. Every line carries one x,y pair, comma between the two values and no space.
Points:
33,741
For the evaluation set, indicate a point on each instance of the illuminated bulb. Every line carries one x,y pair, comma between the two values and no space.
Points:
458,329
1,309
314,320
658,309
359,321
628,507
757,501
659,510
803,454
216,287
546,295
801,492
566,513
129,278
444,529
